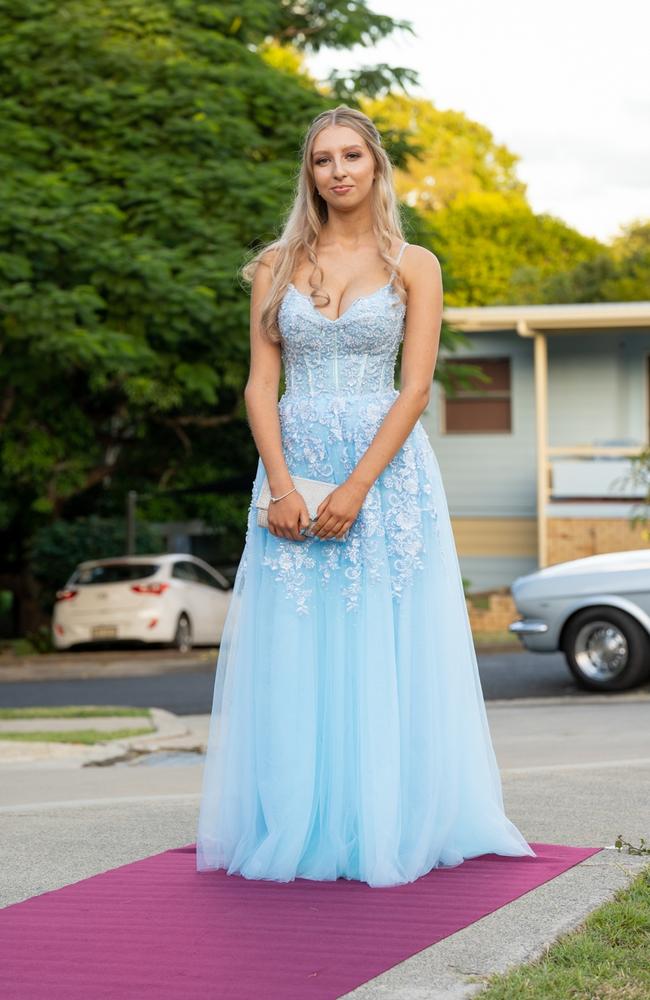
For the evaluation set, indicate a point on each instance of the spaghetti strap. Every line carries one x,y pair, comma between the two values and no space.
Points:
398,259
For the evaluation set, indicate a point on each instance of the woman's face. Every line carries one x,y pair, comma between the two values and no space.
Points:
343,166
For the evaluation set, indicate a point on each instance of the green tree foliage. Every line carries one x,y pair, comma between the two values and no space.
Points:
144,147
453,155
620,273
500,251
465,186
56,548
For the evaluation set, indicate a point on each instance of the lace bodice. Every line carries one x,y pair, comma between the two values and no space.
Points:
354,353
339,388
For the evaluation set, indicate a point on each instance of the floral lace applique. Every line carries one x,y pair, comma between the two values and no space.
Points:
386,539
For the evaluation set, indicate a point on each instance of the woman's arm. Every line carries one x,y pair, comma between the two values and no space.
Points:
288,515
423,280
261,392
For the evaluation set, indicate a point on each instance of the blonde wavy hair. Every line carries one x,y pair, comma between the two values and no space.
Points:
305,219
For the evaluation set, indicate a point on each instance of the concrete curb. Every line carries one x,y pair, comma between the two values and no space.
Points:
458,966
170,733
535,701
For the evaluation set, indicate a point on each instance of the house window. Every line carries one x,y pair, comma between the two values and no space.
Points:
480,407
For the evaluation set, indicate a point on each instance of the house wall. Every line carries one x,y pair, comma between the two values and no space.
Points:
597,386
489,479
574,538
598,390
490,474
492,551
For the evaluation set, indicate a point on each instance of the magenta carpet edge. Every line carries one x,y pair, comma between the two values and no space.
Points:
155,927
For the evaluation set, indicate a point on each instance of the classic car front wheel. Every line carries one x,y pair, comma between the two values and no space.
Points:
606,649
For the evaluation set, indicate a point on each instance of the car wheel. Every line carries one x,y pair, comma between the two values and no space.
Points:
606,649
183,637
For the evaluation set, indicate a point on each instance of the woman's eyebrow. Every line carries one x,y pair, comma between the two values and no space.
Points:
320,152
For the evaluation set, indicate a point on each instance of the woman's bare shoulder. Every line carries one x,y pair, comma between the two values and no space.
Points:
419,254
265,269
270,256
419,263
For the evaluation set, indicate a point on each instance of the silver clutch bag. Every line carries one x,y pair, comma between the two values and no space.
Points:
313,492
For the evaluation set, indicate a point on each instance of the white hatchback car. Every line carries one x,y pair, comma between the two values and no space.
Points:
173,598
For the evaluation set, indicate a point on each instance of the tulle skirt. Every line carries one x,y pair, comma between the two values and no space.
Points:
348,735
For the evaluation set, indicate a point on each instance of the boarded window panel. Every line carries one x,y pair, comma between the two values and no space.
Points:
481,407
471,416
497,370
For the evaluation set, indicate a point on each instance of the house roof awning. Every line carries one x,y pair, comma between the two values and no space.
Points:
559,318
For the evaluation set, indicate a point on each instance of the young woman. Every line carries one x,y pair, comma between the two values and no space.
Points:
348,735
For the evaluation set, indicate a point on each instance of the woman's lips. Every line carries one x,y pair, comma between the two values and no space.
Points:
342,189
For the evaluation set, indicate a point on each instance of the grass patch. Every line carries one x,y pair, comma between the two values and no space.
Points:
606,958
80,735
70,712
85,736
480,600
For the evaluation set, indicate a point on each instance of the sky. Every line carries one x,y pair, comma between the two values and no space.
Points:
564,84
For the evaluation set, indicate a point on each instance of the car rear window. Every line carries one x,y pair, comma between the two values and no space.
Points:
113,573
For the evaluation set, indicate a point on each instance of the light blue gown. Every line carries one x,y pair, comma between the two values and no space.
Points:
348,735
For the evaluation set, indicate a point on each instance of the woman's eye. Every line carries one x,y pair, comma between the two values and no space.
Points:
323,159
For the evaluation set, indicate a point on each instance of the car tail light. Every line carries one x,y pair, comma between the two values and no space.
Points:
66,595
149,588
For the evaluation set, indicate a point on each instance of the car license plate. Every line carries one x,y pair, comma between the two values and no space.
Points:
104,631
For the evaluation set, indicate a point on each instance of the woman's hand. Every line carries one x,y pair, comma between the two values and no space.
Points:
337,512
288,516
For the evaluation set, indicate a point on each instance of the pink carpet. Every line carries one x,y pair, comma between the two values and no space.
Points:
159,929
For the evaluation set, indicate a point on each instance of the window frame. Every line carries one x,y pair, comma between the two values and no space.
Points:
483,391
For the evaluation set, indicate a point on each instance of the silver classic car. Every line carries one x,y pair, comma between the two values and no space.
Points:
596,611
